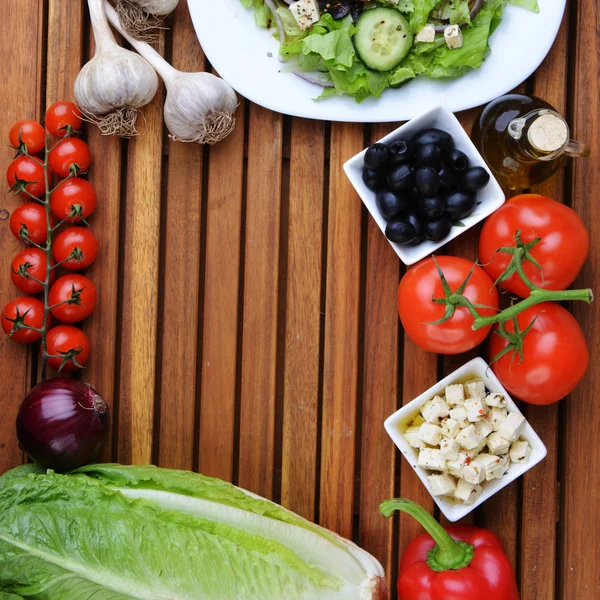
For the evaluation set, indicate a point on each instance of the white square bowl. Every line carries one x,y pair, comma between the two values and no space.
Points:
491,197
474,368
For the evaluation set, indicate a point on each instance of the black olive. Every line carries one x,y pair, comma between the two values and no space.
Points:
475,179
400,151
437,230
458,161
376,156
427,181
339,10
401,178
460,204
417,222
428,155
390,204
448,180
438,137
373,179
400,232
432,207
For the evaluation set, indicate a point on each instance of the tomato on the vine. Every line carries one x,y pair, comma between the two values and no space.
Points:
23,311
72,298
417,310
28,223
555,355
78,243
67,344
61,116
564,245
26,173
26,265
74,199
30,133
70,155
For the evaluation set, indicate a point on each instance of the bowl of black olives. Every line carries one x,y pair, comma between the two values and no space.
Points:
425,184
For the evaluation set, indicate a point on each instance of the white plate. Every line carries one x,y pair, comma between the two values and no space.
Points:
246,56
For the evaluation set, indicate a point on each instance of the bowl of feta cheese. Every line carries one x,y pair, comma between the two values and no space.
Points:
465,438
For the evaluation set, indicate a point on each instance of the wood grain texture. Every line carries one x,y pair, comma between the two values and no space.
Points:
303,318
340,368
261,274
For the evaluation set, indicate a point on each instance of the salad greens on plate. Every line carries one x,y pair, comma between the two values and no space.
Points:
361,48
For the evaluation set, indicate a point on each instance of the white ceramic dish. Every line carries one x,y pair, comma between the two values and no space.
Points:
476,367
246,56
491,197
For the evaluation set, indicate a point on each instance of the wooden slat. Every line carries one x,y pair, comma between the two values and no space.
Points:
221,291
340,368
303,318
21,100
580,526
180,303
259,337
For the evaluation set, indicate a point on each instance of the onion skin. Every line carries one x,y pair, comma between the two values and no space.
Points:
62,424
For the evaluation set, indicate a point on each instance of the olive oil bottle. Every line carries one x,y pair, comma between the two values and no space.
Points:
523,140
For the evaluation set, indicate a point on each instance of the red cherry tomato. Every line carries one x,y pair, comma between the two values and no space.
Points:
28,222
29,263
63,339
26,173
72,154
417,311
555,355
78,290
62,115
27,311
75,196
77,241
30,133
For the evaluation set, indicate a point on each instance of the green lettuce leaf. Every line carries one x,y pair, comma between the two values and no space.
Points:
420,15
532,5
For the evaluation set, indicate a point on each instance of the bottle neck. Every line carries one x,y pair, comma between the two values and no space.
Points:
541,135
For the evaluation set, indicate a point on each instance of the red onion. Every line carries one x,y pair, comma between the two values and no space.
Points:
62,424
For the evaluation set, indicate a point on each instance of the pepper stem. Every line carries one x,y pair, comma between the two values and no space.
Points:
447,553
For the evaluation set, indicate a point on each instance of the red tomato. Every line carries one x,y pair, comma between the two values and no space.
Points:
25,310
32,262
28,222
26,173
555,353
30,133
77,241
61,116
564,247
72,154
417,311
76,289
74,196
63,339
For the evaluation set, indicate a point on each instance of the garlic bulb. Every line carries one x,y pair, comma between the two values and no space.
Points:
199,107
115,83
142,18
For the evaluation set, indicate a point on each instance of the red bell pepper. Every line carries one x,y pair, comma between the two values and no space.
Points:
457,563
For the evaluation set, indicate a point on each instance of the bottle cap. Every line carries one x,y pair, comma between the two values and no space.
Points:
548,133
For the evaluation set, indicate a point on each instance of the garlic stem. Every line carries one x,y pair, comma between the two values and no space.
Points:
103,36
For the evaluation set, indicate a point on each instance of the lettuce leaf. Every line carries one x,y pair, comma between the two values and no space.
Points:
532,5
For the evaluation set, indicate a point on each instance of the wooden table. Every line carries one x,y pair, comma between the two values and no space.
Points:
247,323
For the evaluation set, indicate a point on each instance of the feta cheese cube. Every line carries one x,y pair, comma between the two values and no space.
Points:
455,394
456,467
520,451
306,13
497,416
442,485
430,434
459,414
476,409
471,454
450,428
474,472
412,437
495,400
466,492
497,444
427,34
453,36
493,466
482,444
449,448
432,459
468,438
512,427
484,427
505,462
435,409
475,388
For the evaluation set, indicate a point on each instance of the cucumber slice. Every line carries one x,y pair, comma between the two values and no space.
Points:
382,39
